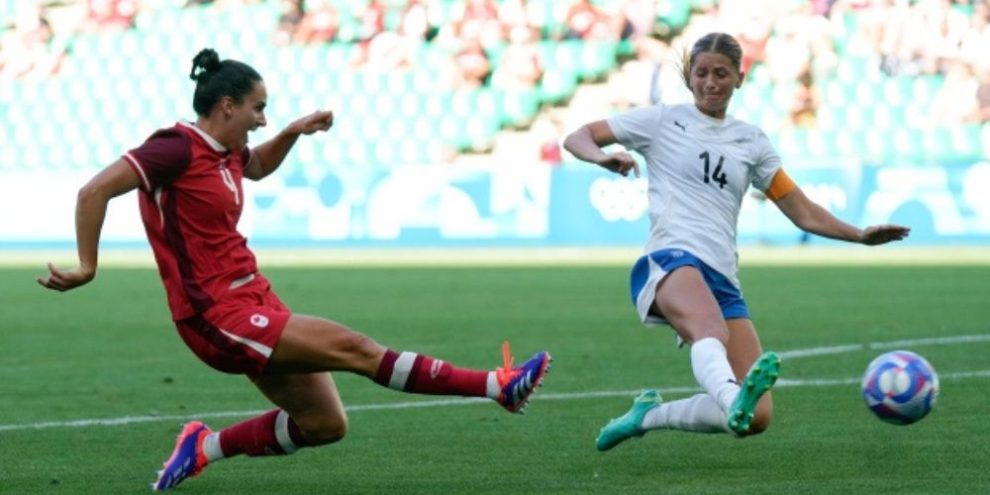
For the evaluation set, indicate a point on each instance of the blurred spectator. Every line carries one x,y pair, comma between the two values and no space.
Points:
222,4
671,18
955,100
385,52
974,42
821,7
414,23
804,110
372,20
475,20
521,65
29,50
753,40
937,42
522,15
371,25
982,113
637,18
289,20
586,21
638,81
104,15
320,23
550,132
788,54
824,58
473,65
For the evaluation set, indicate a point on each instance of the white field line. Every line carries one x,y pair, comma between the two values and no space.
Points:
794,354
893,344
532,256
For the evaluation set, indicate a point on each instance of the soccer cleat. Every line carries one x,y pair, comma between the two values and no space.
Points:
517,384
187,459
629,424
762,375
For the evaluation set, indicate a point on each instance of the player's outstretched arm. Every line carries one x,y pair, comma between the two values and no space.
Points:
91,210
586,144
811,217
267,156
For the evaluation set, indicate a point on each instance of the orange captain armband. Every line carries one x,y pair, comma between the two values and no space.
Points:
780,185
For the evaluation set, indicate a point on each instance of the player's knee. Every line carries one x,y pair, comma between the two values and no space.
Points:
761,417
324,430
760,424
360,345
694,331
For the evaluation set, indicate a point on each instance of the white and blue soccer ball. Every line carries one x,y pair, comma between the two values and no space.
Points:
900,387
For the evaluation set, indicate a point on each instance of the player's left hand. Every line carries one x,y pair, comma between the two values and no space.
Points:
882,234
316,121
63,280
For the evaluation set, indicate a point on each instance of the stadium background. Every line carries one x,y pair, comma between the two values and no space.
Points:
449,113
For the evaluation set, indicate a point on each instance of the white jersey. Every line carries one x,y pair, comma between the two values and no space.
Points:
699,168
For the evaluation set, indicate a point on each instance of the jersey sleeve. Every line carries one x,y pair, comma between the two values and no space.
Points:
162,158
636,128
766,162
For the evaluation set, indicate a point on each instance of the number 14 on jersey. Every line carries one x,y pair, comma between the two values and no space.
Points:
718,175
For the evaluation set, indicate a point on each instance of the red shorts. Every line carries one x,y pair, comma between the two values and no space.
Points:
239,332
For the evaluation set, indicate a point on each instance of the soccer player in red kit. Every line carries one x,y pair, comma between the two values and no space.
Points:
189,177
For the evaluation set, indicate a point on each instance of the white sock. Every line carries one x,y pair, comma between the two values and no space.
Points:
211,447
700,414
713,372
282,433
492,390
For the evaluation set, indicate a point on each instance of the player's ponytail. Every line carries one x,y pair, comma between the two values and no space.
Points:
206,61
217,78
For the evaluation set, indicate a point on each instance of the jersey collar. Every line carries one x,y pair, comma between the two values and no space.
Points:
708,118
206,137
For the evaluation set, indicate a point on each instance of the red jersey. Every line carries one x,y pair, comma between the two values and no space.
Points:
191,199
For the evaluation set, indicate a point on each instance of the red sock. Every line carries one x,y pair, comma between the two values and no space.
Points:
272,433
411,372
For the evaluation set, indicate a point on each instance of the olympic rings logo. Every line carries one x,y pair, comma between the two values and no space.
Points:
619,199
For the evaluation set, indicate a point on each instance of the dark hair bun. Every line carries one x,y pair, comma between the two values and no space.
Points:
207,61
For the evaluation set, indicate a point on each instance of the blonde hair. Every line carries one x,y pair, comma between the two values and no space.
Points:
721,43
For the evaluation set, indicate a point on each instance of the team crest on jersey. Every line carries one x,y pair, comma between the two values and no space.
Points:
259,320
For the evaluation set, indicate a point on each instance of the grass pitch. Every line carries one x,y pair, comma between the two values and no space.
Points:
94,384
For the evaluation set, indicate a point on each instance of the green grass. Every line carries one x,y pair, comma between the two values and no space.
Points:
109,350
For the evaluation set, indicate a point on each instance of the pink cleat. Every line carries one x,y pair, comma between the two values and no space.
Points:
518,384
187,459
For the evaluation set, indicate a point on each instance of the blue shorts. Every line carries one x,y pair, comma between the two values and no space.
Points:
650,269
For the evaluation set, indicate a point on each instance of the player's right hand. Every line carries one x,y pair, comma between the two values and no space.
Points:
316,121
882,234
621,163
63,280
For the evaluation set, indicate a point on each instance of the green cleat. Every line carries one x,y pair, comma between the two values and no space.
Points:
629,424
760,378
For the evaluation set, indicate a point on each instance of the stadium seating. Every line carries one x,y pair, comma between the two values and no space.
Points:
114,88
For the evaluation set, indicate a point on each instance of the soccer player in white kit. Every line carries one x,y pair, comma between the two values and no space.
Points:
699,163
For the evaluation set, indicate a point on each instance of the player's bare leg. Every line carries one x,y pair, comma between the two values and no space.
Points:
686,301
309,413
311,344
745,351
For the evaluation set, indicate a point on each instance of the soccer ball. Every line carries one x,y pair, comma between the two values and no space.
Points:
900,387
